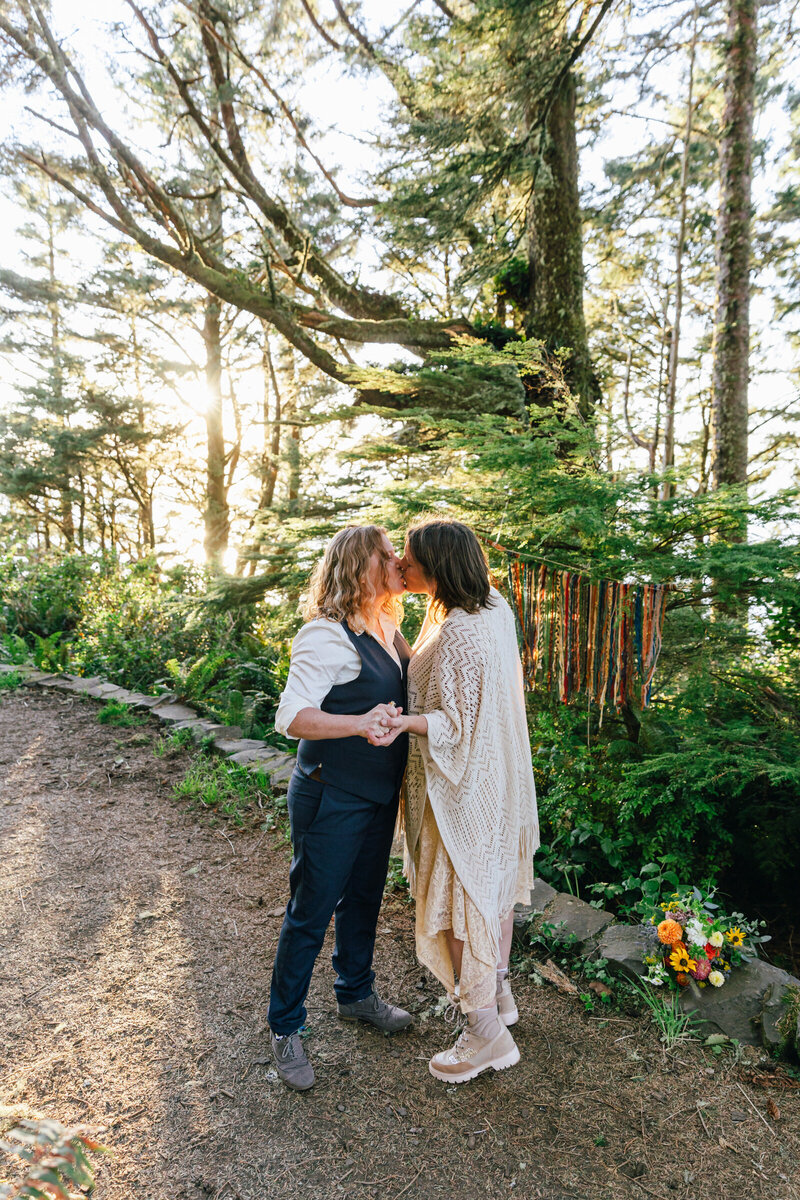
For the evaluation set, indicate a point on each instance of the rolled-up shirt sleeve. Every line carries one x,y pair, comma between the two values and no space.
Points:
322,656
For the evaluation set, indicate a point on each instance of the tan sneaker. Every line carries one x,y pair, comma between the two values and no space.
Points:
506,1005
473,1054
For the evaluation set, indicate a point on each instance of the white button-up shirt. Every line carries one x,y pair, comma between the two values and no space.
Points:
322,657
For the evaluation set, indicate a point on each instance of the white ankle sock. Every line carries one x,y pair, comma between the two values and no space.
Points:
485,1022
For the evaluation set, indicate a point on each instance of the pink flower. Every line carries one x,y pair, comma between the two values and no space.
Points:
702,970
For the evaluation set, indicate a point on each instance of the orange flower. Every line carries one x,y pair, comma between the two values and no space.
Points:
711,951
682,978
669,932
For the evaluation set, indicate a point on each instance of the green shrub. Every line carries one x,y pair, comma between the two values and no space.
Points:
10,681
55,1159
139,627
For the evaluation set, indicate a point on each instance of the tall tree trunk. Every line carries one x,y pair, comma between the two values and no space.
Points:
216,516
144,491
555,248
731,348
57,371
272,429
668,486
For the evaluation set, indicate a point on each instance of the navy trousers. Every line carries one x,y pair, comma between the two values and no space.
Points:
341,846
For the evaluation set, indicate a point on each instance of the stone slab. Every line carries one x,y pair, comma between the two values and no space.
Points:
84,682
261,758
231,746
102,691
112,692
772,1009
573,920
199,728
139,700
625,947
170,712
283,774
66,683
541,895
231,733
735,1008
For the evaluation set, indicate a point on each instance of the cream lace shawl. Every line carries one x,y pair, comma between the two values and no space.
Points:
475,764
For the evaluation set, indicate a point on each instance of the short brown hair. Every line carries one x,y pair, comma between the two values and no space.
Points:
451,556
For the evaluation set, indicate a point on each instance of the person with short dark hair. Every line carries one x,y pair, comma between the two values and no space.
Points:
470,811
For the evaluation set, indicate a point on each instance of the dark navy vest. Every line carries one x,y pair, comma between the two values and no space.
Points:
351,763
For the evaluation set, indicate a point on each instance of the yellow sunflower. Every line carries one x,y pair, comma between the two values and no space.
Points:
735,935
679,961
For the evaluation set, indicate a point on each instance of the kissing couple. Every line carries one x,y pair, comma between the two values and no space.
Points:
447,717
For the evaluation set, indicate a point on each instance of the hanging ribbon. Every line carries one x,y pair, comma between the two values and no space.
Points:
600,638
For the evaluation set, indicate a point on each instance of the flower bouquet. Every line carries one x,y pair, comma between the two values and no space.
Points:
695,941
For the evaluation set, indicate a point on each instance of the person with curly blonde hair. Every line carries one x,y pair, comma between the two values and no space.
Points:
347,678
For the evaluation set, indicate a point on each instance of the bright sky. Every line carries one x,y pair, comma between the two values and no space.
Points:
355,107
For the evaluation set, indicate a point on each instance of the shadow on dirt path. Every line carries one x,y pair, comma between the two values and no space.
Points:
137,942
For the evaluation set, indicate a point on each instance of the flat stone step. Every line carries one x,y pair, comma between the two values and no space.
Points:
231,746
282,775
170,712
259,758
231,733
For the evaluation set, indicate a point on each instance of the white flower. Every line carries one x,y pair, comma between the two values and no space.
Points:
716,938
694,933
716,979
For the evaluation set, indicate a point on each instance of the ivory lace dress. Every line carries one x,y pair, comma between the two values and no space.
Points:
470,807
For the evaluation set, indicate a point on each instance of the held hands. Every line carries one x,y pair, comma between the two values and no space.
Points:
377,724
388,729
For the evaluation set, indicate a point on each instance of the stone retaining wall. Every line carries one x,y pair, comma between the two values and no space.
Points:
226,739
747,1008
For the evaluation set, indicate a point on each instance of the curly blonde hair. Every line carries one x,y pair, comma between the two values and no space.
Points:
339,586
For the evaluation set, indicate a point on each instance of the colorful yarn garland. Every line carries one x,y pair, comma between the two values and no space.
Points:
601,639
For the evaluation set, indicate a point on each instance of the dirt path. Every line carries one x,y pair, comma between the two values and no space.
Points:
136,947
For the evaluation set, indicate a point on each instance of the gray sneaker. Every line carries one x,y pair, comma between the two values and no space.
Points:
376,1012
292,1061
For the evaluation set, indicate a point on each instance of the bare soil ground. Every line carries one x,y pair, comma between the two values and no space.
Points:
137,942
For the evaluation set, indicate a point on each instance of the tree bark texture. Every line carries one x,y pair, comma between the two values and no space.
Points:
216,516
555,248
668,487
732,318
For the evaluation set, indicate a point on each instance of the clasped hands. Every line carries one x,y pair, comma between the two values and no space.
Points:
382,724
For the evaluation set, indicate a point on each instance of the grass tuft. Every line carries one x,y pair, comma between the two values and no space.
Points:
674,1025
227,788
174,743
116,713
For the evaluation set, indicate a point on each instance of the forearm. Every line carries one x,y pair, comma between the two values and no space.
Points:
314,725
418,725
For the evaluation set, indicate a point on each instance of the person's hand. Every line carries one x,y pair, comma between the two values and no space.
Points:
376,722
395,725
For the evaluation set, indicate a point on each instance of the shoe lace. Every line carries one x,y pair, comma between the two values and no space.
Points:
453,1014
290,1046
